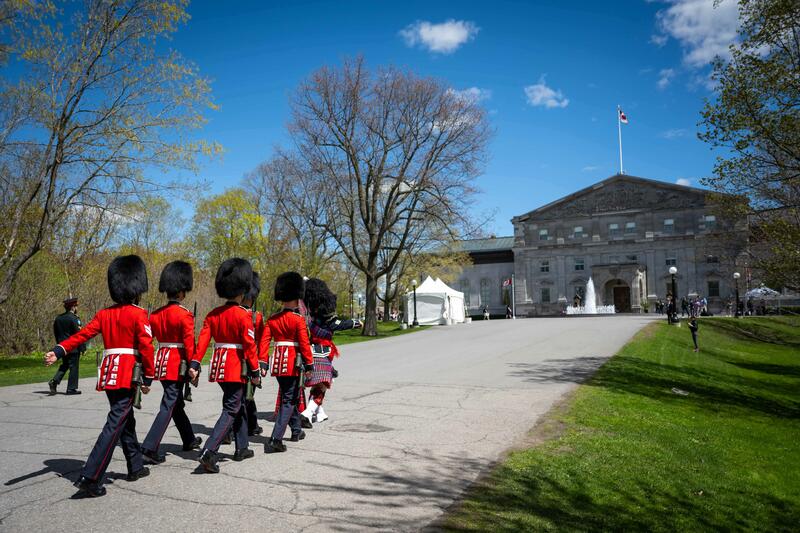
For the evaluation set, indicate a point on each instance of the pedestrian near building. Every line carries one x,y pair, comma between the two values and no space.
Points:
693,327
291,357
173,327
127,365
65,325
233,361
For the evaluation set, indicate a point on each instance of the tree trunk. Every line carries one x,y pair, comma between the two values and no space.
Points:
370,317
387,302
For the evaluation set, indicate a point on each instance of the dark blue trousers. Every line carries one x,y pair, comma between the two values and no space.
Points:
288,414
120,427
69,363
233,415
172,408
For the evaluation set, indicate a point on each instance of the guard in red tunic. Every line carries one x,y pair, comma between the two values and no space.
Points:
291,357
234,359
128,352
173,327
262,350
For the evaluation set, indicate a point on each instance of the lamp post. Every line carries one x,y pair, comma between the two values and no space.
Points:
673,305
415,323
351,299
736,277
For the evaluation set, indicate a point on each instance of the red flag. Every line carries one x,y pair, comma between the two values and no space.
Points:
623,117
506,282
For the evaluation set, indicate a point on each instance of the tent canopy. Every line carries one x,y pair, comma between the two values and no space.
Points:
436,303
762,292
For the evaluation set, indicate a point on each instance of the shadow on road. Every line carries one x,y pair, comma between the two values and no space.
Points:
571,370
66,468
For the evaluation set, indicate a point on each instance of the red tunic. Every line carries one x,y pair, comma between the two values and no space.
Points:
262,338
231,326
127,338
173,327
289,331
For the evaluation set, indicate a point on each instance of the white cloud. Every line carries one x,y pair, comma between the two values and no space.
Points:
683,181
542,95
659,39
473,94
704,28
589,168
673,133
444,38
665,76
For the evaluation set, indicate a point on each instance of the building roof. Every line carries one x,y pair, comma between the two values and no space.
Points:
492,244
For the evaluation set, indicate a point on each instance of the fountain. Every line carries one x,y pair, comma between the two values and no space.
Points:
591,307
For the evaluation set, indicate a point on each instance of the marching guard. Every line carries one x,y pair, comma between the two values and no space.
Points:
291,357
260,327
126,366
173,327
65,325
233,362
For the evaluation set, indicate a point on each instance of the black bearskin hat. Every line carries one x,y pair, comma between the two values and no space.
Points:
319,299
234,277
255,289
289,286
176,277
127,279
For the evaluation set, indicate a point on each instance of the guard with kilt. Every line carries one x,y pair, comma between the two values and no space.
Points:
127,367
291,357
65,325
173,327
234,359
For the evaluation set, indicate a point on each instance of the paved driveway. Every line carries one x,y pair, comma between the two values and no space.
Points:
414,420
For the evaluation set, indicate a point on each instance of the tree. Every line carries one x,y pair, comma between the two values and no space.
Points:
394,156
756,117
99,108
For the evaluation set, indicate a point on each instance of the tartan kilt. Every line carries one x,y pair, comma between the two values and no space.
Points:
322,373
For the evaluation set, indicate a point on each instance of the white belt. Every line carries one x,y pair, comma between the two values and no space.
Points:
228,346
170,345
287,343
116,351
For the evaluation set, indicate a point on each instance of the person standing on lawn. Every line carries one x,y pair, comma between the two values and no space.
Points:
65,325
127,366
173,327
693,329
233,361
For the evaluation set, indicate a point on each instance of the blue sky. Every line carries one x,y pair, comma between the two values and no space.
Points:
578,61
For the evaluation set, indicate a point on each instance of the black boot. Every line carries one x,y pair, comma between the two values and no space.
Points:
208,460
53,386
139,474
88,488
296,437
194,445
305,423
241,455
258,430
73,392
274,446
153,458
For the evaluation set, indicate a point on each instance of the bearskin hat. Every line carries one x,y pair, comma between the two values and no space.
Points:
255,289
319,299
176,277
234,277
289,286
127,279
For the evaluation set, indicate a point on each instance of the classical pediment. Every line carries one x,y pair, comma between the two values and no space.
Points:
620,193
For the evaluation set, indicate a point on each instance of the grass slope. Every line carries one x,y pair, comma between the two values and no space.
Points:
631,454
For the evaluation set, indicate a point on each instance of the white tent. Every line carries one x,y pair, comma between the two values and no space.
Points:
762,292
436,303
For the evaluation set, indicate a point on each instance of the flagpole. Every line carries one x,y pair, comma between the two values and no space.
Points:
619,132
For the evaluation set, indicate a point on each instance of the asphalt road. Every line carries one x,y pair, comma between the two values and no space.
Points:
413,421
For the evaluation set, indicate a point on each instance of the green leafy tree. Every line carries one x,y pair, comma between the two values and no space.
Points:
756,118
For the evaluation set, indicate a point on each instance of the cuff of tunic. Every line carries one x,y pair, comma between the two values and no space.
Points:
59,351
195,365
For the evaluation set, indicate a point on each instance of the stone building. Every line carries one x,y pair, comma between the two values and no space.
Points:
624,232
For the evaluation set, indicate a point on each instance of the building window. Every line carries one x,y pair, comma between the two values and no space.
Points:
669,226
631,258
545,294
577,232
713,289
671,261
613,230
710,259
544,266
543,236
465,290
579,263
630,227
613,259
710,221
485,291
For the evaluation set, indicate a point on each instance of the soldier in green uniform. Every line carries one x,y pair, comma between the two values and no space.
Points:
65,325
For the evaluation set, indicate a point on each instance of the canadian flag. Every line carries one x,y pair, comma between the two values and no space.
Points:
506,282
622,116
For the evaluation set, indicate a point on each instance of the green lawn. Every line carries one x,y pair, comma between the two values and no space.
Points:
30,369
626,453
